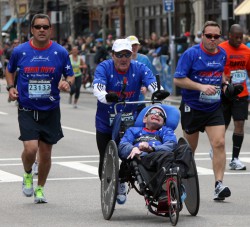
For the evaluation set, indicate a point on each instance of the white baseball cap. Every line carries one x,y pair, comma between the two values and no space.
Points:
121,44
133,39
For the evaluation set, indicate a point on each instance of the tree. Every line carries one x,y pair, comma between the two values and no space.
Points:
71,12
19,18
130,18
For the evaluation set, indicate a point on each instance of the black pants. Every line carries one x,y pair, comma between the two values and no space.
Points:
156,160
76,87
102,139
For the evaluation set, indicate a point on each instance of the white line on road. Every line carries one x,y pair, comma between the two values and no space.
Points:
72,178
80,166
206,159
245,159
8,177
55,157
3,113
20,163
204,171
78,130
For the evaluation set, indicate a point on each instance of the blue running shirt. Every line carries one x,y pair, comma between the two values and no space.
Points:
202,67
106,75
40,71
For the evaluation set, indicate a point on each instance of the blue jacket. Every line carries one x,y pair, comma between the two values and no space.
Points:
163,139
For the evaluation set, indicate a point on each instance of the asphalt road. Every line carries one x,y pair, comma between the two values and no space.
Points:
73,188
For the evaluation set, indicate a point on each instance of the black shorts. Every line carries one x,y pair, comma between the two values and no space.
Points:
238,109
40,125
195,120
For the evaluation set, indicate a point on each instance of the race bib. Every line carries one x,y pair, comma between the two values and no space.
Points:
238,76
210,98
76,69
125,117
39,89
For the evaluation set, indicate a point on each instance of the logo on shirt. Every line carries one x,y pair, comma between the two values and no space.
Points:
39,58
236,56
213,63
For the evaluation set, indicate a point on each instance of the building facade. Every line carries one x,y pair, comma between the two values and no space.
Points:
124,17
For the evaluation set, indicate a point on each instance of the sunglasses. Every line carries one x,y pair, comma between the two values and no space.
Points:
155,112
120,55
38,27
210,36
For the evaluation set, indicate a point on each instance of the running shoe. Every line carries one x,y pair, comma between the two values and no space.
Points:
183,193
211,153
27,184
39,195
236,164
35,168
221,192
122,193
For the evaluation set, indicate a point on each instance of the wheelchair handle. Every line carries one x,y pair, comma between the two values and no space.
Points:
157,76
134,102
138,175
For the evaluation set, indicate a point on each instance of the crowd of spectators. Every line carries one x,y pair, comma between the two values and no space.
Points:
94,49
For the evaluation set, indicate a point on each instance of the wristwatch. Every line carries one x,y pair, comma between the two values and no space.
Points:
9,87
69,82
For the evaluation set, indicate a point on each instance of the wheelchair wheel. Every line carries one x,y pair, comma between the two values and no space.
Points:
173,202
109,180
192,201
191,184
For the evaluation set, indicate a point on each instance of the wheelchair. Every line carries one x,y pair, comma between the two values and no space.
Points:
143,181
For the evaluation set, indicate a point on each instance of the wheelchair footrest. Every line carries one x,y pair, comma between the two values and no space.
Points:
162,206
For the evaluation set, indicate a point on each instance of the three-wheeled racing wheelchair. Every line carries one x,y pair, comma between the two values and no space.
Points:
142,180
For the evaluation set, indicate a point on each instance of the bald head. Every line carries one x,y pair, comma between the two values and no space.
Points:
235,35
236,28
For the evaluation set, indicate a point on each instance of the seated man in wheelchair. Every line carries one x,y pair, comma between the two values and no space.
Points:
153,145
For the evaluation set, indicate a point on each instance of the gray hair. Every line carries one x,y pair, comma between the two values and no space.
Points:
210,23
40,16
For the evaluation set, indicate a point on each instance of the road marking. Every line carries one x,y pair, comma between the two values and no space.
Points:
8,177
55,157
80,166
20,164
72,178
229,153
204,171
245,160
78,130
3,113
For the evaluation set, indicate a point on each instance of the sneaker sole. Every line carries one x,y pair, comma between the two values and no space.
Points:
219,199
224,193
121,202
39,201
28,194
242,168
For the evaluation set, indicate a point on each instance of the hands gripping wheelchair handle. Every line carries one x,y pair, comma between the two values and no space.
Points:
159,95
